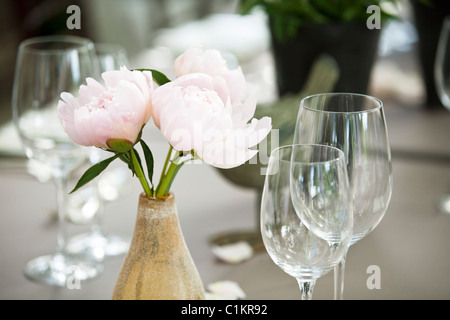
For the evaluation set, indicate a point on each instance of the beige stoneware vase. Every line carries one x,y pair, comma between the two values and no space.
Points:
158,265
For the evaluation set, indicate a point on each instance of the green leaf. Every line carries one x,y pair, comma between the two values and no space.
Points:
148,159
159,77
93,171
138,158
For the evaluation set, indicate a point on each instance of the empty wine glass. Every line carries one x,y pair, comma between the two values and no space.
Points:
47,66
356,124
306,180
98,243
110,56
442,78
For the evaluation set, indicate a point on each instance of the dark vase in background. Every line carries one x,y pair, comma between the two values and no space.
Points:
352,45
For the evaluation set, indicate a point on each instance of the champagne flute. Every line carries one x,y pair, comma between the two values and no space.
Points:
99,244
297,176
442,78
356,124
45,67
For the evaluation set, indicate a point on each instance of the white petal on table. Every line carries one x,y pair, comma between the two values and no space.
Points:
233,253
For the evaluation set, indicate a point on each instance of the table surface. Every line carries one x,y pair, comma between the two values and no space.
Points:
410,246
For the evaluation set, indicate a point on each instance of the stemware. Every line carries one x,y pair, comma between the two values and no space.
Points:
45,67
442,79
110,56
306,180
98,243
354,123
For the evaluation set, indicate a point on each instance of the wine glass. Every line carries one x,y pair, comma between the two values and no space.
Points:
442,78
99,244
306,180
110,56
45,67
354,123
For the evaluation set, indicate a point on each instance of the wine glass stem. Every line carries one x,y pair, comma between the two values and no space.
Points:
306,288
339,271
61,199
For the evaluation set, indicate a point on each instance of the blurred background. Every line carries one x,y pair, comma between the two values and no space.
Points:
155,31
399,72
134,24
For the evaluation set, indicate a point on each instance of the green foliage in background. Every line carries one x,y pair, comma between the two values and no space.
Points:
287,16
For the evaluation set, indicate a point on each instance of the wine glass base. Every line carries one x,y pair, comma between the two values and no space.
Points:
444,204
96,246
61,271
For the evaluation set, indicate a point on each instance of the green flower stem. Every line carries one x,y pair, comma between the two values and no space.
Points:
140,174
163,172
164,187
168,175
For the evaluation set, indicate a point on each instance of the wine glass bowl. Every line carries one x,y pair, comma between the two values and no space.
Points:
319,191
355,124
298,250
110,56
41,136
46,67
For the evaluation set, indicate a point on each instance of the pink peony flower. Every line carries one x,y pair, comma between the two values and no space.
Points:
211,62
116,111
200,112
204,111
